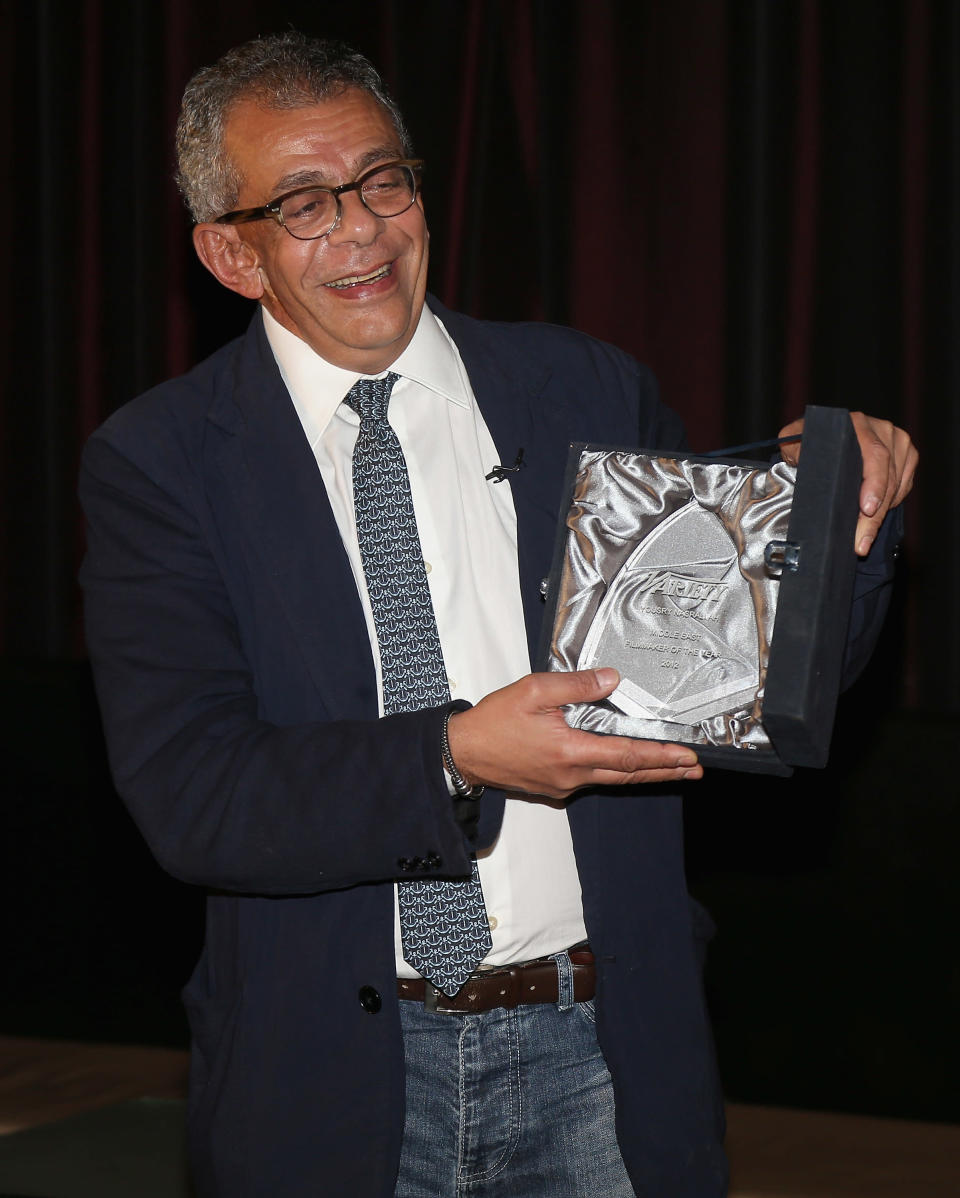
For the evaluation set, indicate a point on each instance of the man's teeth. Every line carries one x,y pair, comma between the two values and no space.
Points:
353,280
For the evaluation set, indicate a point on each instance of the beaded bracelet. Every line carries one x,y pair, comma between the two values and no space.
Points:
460,784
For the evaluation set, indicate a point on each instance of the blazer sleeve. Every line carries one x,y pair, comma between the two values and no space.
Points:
872,591
226,798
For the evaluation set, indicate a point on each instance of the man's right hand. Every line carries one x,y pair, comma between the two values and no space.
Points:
517,739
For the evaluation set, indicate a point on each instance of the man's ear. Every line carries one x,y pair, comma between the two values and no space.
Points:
229,258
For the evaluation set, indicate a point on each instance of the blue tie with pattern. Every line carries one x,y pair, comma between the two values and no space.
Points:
443,925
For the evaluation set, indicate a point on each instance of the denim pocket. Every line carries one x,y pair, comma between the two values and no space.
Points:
587,1009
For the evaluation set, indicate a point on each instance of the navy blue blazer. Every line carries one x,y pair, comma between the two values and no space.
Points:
239,701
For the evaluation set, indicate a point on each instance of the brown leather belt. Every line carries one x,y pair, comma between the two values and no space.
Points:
509,986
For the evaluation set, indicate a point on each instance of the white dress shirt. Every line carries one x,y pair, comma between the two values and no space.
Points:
468,534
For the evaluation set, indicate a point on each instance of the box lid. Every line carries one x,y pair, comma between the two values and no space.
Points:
813,610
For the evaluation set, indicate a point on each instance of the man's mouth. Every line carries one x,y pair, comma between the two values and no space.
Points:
360,280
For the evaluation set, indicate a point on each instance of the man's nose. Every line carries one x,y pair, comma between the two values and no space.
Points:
356,222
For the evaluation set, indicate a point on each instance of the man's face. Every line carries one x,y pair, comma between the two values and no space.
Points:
355,295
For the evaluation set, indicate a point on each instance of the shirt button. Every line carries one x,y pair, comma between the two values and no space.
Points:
493,921
427,567
452,683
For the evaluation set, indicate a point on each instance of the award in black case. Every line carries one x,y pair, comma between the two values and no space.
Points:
719,589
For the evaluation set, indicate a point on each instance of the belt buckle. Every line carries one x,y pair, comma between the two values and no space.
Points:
434,1000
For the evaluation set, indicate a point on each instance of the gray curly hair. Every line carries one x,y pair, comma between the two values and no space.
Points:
286,70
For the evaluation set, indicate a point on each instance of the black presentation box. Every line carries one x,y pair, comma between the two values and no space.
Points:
720,589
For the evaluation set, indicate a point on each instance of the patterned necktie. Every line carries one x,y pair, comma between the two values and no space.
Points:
443,925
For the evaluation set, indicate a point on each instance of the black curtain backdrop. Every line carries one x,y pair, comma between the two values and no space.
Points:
760,199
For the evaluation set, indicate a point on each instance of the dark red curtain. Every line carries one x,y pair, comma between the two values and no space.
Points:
758,198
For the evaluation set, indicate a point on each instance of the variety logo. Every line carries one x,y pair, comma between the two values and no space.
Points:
666,582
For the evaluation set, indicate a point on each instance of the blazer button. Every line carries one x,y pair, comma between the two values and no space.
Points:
370,999
418,863
433,861
405,864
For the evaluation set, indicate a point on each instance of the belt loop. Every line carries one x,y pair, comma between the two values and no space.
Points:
564,981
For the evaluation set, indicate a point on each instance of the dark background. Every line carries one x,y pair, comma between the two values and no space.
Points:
759,198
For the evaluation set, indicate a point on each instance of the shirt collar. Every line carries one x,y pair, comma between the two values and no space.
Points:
317,387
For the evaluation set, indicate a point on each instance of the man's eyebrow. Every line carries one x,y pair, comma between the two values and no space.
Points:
299,179
380,154
307,178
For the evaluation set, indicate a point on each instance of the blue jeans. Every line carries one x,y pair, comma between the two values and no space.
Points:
509,1103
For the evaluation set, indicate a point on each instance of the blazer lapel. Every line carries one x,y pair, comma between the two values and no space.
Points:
274,483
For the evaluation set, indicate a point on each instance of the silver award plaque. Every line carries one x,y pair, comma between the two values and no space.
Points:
664,577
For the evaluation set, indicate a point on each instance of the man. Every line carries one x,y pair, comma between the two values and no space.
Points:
260,718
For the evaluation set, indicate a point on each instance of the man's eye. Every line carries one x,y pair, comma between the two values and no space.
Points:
385,184
306,207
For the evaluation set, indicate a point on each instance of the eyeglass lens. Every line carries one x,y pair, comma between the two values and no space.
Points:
386,192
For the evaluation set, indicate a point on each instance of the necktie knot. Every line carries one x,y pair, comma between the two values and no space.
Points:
369,397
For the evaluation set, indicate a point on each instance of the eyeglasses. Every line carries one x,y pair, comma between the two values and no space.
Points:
310,212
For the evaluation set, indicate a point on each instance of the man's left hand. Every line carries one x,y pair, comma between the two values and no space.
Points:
889,464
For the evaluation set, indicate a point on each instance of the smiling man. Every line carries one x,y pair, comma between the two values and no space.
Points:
311,610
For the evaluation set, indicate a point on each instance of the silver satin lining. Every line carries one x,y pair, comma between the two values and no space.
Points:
619,501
